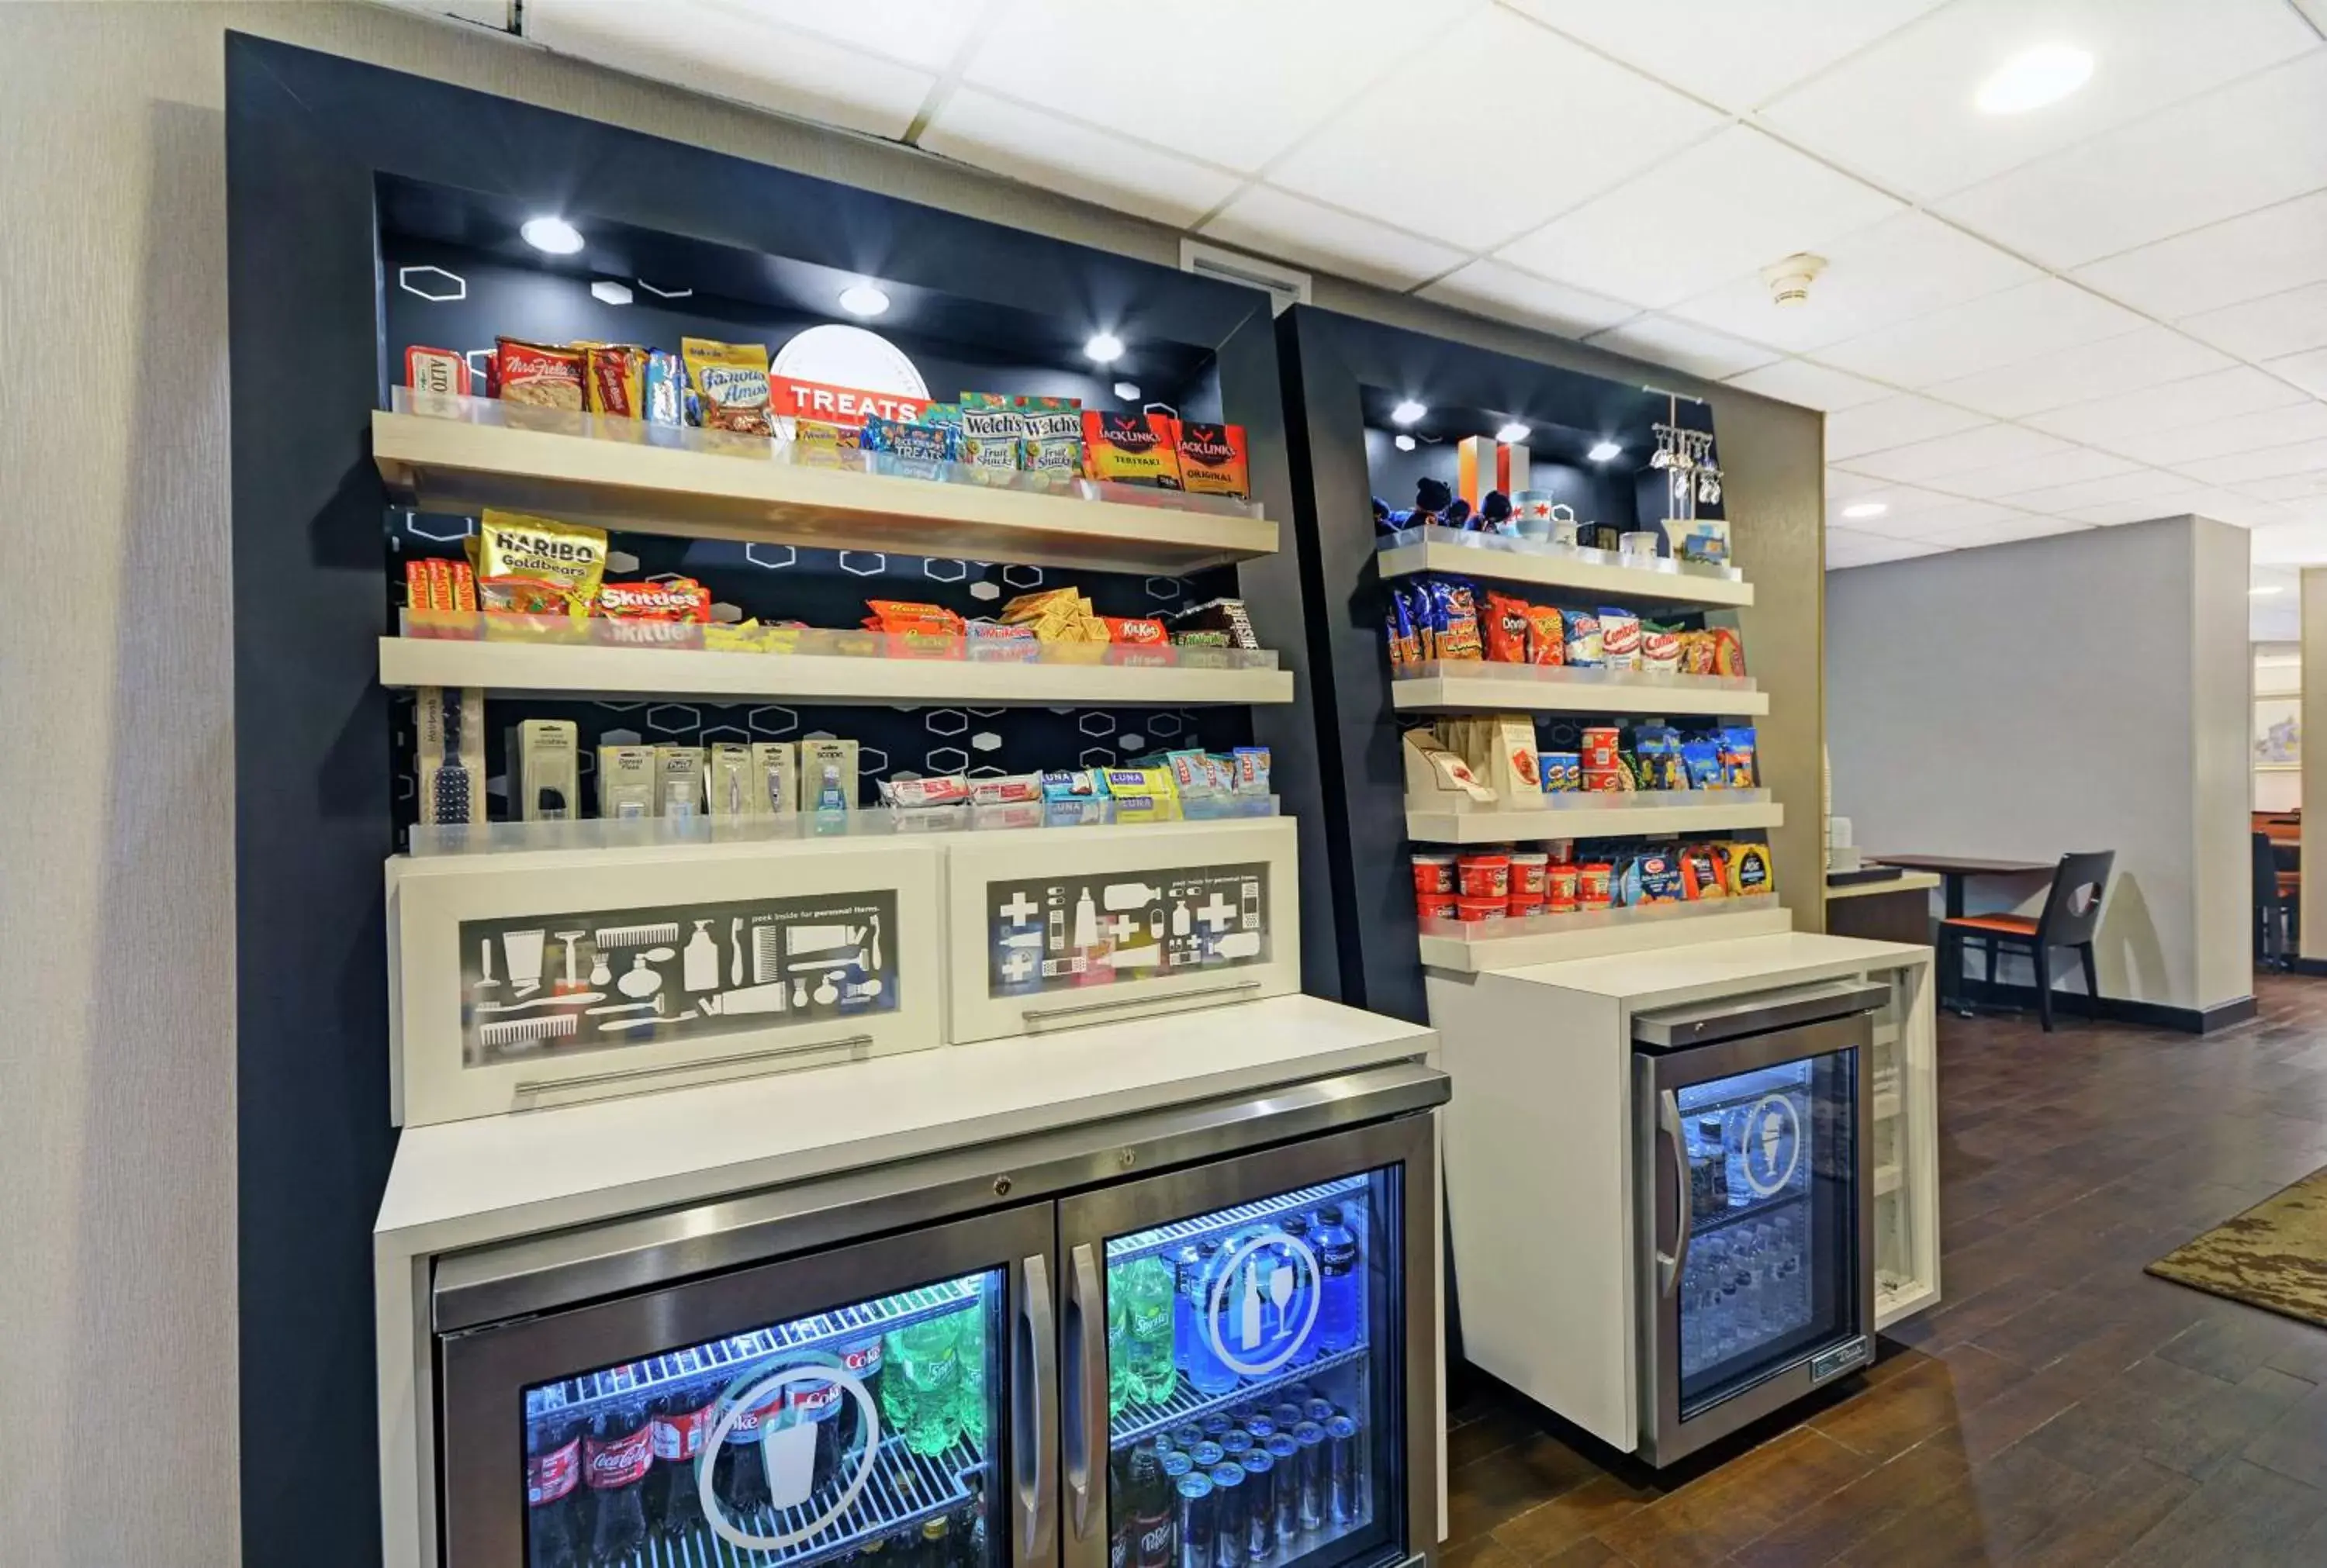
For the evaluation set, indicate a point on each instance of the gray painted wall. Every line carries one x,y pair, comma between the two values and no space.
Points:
2081,692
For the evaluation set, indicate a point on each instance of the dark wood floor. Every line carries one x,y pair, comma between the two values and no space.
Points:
2061,1406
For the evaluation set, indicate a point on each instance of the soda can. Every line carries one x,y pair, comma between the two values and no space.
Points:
1311,1436
1186,1436
1193,1512
1260,1503
1206,1454
1285,1454
1262,1428
1341,1468
1228,1527
1235,1443
1243,1414
1299,1393
1177,1464
1320,1411
1286,1416
1215,1426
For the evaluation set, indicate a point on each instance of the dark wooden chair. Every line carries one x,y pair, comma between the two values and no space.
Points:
2274,909
2071,914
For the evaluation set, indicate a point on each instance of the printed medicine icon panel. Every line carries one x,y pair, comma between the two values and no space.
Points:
1075,930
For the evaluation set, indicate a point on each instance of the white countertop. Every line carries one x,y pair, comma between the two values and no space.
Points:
1706,969
1904,882
494,1176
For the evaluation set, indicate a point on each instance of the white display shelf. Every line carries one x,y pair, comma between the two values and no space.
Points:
1479,685
1598,573
1596,933
1602,815
462,454
591,670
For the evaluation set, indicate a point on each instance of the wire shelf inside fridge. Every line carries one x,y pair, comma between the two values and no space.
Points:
1762,1209
906,1489
632,1378
1189,1404
1163,1237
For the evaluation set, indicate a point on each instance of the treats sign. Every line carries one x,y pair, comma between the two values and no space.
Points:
800,399
839,375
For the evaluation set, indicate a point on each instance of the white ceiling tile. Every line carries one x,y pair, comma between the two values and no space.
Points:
2111,514
1736,56
1893,422
2008,479
1683,346
2005,531
1902,268
2308,370
2288,487
1985,447
1902,110
1213,79
2239,147
923,32
1912,513
2271,462
2305,421
1277,223
993,133
1435,174
2199,400
731,54
1842,485
2267,328
2019,324
1493,289
2293,545
2241,258
1799,382
2143,358
1750,201
2147,486
1846,549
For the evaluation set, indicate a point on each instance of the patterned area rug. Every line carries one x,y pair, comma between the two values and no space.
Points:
2273,1256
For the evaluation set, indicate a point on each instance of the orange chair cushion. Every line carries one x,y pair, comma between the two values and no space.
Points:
2011,925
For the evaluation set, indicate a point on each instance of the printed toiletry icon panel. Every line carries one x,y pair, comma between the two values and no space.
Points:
539,986
1067,933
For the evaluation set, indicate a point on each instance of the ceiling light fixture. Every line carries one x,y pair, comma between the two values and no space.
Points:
554,235
863,300
2265,591
1512,432
1407,412
1865,509
1403,443
2029,80
1127,391
1105,348
1602,450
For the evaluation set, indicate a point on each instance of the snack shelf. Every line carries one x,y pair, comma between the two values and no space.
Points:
1503,559
1138,677
1602,815
462,454
1479,685
1596,933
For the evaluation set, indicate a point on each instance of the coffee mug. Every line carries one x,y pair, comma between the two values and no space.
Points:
1532,512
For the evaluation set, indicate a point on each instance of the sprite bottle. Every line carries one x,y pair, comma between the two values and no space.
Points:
920,1383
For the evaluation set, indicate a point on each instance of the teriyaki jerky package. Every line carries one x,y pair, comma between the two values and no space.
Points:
1131,449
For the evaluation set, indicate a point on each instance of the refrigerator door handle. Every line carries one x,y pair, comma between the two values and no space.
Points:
1086,1369
1669,1266
1037,1419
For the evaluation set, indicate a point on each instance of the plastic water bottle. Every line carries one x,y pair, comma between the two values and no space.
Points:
1118,1343
1149,1290
1341,1289
1300,1289
921,1365
970,1350
1733,1131
1192,1311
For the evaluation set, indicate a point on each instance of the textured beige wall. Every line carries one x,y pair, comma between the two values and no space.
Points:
116,1057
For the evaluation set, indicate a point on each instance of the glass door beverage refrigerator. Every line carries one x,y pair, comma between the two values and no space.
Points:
1029,1355
1753,1166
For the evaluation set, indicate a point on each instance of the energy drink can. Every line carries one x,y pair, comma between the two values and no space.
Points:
1228,1527
1206,1454
1217,1426
1186,1436
1177,1464
1286,1416
1259,1503
1285,1454
1193,1516
1342,1470
1243,1414
1320,1411
1311,1436
1235,1443
1262,1428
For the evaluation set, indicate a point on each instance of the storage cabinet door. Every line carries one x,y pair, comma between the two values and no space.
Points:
886,1404
1250,1361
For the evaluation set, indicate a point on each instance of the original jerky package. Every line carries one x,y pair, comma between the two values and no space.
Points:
730,382
1212,460
1140,449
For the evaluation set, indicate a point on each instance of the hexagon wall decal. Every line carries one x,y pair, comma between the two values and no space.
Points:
673,718
945,722
947,760
451,286
1097,756
1018,576
863,563
938,571
1163,587
986,741
1130,742
770,557
1096,723
984,591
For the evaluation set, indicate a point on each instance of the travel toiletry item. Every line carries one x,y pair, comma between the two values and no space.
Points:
678,782
729,787
545,771
827,775
775,773
450,726
626,782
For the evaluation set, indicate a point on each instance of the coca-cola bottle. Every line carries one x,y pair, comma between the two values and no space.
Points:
682,1419
615,1459
739,1478
557,1509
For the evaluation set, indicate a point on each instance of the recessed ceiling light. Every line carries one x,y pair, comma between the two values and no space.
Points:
1865,509
1512,432
1407,412
613,293
1104,347
2031,80
554,235
2265,591
1604,450
1127,391
863,300
1403,443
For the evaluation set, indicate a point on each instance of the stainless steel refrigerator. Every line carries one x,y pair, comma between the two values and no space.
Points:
1753,1172
1203,1337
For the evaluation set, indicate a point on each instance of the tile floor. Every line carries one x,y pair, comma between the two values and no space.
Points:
2059,1406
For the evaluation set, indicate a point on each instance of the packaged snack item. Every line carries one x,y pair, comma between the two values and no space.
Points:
1434,906
1703,872
1696,653
1739,769
433,375
1656,754
1620,639
730,382
1659,649
1433,873
1728,651
1482,910
1749,871
1212,459
1251,770
928,794
539,375
1010,789
1191,775
1138,631
1051,438
1562,771
1600,745
662,388
1606,781
1073,784
1651,879
1454,617
1437,776
1546,635
1529,867
914,449
1582,638
677,599
1700,761
1483,873
1559,889
615,379
567,556
1506,629
1412,601
1393,636
991,430
1594,889
902,615
1131,449
1227,615
1140,794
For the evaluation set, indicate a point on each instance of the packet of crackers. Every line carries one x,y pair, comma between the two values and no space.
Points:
1141,449
566,560
1212,460
537,374
731,384
1056,614
1051,443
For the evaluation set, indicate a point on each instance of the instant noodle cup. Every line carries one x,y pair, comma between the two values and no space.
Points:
1480,910
1433,905
1434,873
1594,889
1526,874
1559,890
1484,875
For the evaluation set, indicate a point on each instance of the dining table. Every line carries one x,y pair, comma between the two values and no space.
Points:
1955,869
